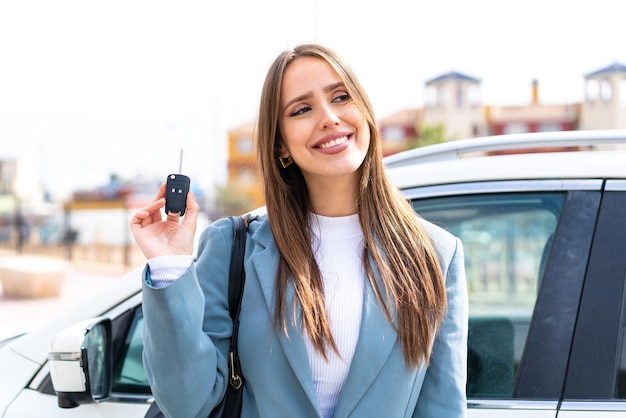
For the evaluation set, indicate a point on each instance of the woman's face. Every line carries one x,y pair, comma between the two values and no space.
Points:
323,130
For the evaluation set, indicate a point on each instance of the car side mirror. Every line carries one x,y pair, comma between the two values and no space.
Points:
81,363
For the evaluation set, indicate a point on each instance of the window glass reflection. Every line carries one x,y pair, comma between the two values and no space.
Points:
507,239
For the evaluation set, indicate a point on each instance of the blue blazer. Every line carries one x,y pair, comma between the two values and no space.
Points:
187,330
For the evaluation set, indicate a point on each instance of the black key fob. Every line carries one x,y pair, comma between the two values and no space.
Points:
176,190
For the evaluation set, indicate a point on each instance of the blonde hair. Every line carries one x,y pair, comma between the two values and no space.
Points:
395,243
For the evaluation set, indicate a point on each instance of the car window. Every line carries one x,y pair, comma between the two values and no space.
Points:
506,238
129,375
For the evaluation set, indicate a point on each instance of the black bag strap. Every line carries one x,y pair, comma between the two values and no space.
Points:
237,275
236,284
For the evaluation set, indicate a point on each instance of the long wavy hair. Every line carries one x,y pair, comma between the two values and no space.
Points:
396,247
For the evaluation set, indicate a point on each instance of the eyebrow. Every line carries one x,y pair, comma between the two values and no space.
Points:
308,95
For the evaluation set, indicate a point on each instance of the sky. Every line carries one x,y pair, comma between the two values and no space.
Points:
93,88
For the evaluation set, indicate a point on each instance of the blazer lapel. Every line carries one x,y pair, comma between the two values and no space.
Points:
266,254
376,341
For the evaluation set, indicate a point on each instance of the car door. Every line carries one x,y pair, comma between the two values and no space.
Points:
596,376
526,249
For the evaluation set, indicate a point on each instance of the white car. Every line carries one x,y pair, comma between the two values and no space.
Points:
545,244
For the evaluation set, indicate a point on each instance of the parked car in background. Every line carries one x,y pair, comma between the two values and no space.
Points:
545,244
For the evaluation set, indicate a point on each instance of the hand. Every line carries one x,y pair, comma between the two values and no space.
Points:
158,237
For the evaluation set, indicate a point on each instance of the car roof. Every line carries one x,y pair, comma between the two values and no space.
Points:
548,155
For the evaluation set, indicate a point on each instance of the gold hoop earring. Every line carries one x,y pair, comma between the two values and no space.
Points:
285,161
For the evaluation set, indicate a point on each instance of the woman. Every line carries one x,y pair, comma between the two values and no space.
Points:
353,307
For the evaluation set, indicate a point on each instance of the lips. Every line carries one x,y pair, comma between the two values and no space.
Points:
327,143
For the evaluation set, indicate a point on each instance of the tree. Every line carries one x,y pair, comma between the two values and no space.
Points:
429,135
231,201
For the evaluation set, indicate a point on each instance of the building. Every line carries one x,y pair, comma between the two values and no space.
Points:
605,98
534,117
243,179
453,101
399,130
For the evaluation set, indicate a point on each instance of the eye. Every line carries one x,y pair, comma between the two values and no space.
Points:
300,110
340,97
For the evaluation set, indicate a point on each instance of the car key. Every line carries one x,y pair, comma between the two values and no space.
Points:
177,187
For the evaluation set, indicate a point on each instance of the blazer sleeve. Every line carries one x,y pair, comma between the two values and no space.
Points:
443,394
187,329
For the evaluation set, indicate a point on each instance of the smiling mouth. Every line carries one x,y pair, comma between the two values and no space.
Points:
334,142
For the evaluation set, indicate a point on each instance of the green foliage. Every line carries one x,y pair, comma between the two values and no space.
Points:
429,135
231,201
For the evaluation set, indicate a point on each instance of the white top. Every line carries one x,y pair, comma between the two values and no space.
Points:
338,247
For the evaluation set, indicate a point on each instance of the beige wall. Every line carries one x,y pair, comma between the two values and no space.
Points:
444,109
601,110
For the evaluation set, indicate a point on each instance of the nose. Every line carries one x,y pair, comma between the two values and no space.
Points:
328,117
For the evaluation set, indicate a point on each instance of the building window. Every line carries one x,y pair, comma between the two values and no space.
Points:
246,176
622,92
606,90
430,96
473,95
515,128
244,145
441,97
549,127
592,90
459,97
393,134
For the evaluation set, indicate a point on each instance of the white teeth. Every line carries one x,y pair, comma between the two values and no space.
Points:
334,142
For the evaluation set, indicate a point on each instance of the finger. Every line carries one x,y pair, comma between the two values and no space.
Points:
154,206
173,217
155,209
140,220
160,192
191,216
138,217
157,202
149,213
